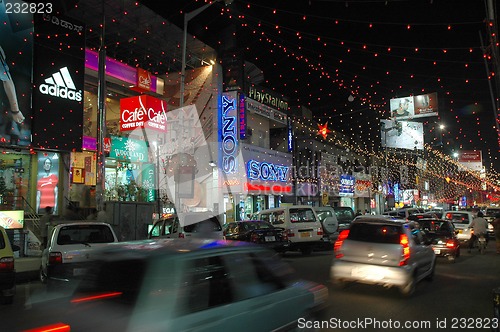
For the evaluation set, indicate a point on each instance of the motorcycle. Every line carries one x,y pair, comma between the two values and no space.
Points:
479,242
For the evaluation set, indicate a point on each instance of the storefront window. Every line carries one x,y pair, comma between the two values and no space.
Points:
14,178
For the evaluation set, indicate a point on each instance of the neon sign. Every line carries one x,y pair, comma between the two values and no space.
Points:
266,171
229,139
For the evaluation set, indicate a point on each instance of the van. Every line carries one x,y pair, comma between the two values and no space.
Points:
186,225
301,224
461,220
328,218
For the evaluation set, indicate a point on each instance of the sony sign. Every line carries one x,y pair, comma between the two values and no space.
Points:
61,85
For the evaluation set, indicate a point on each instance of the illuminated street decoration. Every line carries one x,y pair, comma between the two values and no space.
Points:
323,130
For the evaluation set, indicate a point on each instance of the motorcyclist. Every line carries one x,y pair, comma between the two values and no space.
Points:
480,226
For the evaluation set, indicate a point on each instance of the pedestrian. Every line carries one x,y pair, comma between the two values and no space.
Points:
496,226
45,222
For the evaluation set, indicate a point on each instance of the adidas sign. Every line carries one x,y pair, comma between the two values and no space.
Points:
61,85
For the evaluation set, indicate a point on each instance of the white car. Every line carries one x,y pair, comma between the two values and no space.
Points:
185,285
380,250
461,220
70,247
188,224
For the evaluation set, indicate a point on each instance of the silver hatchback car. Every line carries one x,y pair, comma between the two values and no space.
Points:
384,251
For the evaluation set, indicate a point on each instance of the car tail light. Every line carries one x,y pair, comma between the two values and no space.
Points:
284,236
338,244
254,238
96,297
450,243
7,264
289,233
181,235
320,231
57,327
55,258
405,246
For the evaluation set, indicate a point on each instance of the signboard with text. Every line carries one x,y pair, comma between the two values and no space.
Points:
143,112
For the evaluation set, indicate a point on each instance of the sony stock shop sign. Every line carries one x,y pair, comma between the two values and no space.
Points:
143,112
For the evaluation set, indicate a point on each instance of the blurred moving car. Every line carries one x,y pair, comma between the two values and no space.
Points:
188,224
382,251
259,232
7,271
70,246
186,285
440,234
345,215
461,221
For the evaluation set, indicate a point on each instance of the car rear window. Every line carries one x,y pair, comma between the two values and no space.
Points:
209,225
461,218
344,215
322,215
302,215
377,233
73,234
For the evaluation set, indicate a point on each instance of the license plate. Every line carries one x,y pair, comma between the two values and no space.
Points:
361,273
79,272
270,239
305,234
437,251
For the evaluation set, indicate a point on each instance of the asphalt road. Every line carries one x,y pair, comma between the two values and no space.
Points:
458,299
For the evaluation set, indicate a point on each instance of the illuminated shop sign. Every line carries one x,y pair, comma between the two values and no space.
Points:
266,171
228,134
347,183
142,112
127,149
290,136
267,98
243,117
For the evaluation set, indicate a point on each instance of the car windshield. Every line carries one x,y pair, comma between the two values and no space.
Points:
73,234
377,233
344,215
209,225
302,215
435,225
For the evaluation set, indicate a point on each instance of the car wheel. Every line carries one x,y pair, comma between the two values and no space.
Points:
408,289
42,276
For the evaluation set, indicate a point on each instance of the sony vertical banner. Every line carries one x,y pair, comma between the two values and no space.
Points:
16,53
58,82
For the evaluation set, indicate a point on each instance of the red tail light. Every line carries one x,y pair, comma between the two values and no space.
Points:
284,236
181,235
338,244
405,246
254,238
7,264
55,258
57,327
450,243
320,231
96,297
289,233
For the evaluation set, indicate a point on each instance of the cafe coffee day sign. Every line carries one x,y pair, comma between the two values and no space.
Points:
143,112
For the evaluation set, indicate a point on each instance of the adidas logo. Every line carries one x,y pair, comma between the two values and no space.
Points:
61,85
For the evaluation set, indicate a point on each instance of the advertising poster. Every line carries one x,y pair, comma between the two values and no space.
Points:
58,82
12,219
47,181
16,54
414,106
402,134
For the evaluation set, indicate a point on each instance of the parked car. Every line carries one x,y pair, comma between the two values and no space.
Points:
345,215
70,247
440,234
404,213
259,232
301,224
328,218
186,285
461,221
188,224
380,250
7,270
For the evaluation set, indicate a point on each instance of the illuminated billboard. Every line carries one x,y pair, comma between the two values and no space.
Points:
412,107
402,134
